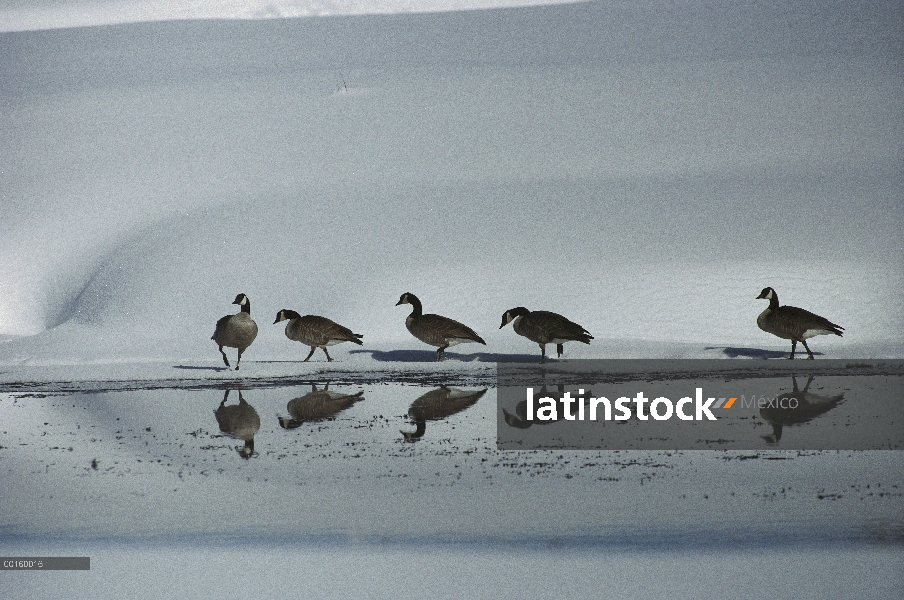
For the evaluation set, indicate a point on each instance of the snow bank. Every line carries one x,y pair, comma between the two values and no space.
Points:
40,14
646,187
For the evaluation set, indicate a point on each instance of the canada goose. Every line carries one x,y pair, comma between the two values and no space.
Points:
236,331
438,404
518,419
545,327
796,407
792,323
239,421
316,332
434,329
317,405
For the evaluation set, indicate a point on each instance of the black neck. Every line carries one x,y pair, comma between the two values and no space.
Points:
246,307
773,301
416,308
420,429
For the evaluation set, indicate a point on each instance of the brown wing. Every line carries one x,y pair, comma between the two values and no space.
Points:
220,329
443,402
318,331
543,326
791,322
316,406
436,329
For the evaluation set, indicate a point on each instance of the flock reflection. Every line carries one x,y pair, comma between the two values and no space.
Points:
242,422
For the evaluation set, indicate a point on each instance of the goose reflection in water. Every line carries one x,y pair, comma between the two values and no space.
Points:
239,421
317,405
518,419
807,407
438,404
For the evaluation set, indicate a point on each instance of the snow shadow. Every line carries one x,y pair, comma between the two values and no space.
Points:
754,352
197,368
430,356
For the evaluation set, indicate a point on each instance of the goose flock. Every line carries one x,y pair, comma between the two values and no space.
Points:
541,327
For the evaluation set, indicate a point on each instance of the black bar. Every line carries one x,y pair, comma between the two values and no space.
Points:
45,563
778,404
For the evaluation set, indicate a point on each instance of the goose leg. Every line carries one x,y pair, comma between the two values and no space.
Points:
804,342
793,347
310,354
225,360
327,354
560,350
542,352
809,381
440,351
237,362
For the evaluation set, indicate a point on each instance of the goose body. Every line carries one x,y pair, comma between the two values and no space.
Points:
236,331
317,405
239,421
544,327
316,332
438,404
436,330
792,323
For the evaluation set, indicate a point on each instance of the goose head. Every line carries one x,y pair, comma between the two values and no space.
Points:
407,298
767,294
241,300
512,314
286,314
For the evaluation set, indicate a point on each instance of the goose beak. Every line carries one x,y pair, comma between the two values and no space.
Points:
761,296
399,302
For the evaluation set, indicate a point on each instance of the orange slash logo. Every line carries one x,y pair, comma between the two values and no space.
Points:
723,404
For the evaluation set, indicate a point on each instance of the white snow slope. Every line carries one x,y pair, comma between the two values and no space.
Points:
644,171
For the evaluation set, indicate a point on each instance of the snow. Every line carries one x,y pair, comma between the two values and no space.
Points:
43,14
472,186
643,170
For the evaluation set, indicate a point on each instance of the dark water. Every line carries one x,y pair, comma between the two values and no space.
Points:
399,464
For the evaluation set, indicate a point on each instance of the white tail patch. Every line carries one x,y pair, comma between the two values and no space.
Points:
456,341
814,332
